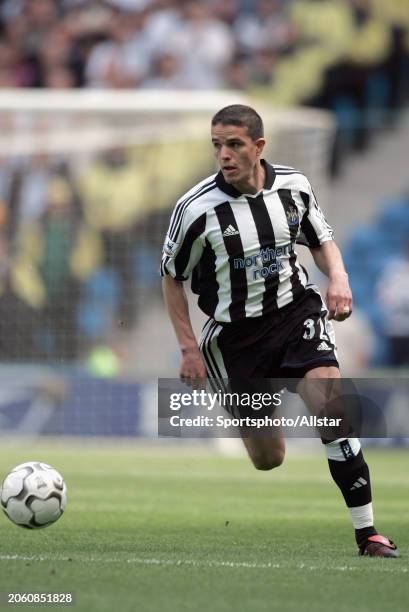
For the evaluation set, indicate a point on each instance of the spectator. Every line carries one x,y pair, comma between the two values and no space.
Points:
238,72
225,11
19,320
161,24
34,179
204,45
53,253
167,73
11,66
59,229
122,60
40,18
267,28
54,53
111,192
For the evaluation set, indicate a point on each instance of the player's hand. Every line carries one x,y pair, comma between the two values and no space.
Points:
339,298
192,368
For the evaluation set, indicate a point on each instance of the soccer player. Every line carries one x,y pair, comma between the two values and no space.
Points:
235,234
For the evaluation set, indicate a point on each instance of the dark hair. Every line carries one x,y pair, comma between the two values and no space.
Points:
241,115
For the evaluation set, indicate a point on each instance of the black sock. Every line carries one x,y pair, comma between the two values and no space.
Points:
361,535
353,479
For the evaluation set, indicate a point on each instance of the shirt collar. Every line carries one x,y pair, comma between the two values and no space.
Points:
235,193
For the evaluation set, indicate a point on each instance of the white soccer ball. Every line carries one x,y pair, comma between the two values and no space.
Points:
33,495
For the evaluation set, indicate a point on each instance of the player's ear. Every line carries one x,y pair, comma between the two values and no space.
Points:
260,143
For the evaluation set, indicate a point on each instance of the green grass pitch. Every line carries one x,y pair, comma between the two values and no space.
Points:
173,529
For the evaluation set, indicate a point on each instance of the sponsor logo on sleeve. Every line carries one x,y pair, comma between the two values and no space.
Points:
170,247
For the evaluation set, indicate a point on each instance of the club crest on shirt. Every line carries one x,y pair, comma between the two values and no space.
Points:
170,247
292,215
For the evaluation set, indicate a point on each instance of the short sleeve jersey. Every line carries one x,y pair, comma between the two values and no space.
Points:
240,249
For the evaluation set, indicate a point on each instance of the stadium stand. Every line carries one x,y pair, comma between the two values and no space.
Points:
374,257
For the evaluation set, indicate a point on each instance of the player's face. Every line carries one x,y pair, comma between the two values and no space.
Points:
237,154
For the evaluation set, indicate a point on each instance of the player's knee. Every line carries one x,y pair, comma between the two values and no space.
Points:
268,463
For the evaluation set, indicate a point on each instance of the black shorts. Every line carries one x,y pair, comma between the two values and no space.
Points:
285,345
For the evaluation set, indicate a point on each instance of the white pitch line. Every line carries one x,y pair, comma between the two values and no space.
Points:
209,564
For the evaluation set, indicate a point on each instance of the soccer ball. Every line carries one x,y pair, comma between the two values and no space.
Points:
33,495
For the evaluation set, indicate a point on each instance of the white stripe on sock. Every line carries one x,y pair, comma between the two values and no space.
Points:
334,450
362,516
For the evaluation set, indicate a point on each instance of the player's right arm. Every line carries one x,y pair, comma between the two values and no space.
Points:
182,251
192,367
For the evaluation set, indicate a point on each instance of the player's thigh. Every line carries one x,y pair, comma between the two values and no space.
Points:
266,451
223,349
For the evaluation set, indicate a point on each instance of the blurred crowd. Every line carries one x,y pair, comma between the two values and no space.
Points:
70,276
349,56
141,43
195,43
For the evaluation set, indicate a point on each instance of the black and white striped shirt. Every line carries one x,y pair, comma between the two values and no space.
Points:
240,248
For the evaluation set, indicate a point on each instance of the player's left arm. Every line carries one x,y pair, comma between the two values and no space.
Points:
328,260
